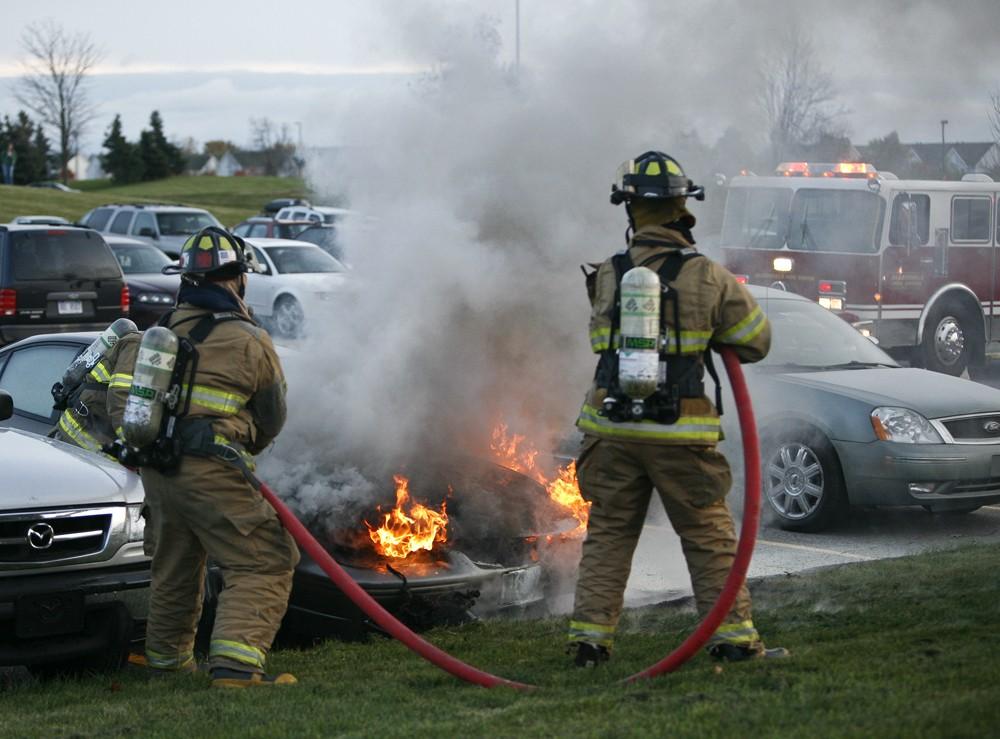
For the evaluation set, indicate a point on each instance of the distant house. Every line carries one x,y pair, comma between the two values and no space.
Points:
959,158
225,166
84,167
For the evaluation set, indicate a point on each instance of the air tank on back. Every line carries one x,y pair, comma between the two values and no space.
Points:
154,367
638,353
93,354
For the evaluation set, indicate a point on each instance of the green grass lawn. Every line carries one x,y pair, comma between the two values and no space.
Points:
230,199
904,647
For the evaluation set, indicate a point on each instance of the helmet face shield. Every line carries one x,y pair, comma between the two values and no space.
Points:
652,176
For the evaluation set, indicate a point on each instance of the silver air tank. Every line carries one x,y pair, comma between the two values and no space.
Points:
154,367
94,353
638,353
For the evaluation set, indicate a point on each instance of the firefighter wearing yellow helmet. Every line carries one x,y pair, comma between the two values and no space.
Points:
229,405
656,309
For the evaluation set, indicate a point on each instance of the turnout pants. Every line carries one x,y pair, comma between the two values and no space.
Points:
209,510
618,479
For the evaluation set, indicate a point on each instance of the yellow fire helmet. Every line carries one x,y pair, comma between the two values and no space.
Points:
653,176
211,249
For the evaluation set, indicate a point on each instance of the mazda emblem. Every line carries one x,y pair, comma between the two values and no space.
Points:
992,427
40,536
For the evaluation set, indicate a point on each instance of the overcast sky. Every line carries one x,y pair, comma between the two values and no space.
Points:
209,66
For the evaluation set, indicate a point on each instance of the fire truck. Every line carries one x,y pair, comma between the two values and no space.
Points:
911,263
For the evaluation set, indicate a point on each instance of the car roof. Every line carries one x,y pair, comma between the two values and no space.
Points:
155,206
119,240
770,293
40,219
42,227
261,242
83,338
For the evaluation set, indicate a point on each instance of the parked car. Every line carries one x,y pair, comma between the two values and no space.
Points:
491,563
841,423
315,213
165,226
74,583
50,185
57,279
273,206
267,227
152,292
325,236
40,221
296,276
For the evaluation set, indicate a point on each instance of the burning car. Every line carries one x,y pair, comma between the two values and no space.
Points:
449,541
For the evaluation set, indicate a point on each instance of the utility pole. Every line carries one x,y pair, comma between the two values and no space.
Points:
944,172
517,36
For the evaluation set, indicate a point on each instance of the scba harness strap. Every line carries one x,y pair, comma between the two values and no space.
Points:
681,374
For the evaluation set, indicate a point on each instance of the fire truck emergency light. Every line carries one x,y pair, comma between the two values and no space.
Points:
782,264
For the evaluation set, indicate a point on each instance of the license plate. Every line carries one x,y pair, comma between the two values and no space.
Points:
70,307
49,615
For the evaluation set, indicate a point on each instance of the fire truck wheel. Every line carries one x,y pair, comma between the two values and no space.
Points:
947,342
803,484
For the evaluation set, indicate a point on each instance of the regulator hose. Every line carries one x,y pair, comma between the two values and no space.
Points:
463,671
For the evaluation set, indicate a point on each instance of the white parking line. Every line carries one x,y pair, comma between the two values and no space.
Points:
819,550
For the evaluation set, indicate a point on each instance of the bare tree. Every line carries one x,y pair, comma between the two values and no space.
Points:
797,96
275,142
53,85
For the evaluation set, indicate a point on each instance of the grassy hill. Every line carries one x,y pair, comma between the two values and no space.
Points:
230,199
903,647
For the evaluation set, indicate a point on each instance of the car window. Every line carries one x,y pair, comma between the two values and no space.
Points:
183,224
258,229
140,259
263,262
30,374
99,218
62,255
910,222
243,229
295,260
120,224
144,220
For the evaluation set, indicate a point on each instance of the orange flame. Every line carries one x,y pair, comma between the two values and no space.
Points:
403,533
515,452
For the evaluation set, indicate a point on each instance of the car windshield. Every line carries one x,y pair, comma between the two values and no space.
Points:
806,219
807,335
183,224
140,259
295,260
62,255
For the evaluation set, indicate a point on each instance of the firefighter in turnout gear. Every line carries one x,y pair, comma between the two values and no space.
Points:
202,504
646,420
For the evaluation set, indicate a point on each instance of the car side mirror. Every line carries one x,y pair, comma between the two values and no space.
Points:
148,232
6,405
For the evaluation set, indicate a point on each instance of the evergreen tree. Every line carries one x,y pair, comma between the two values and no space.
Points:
122,160
160,158
29,144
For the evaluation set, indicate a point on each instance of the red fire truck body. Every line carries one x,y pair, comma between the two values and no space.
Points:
912,263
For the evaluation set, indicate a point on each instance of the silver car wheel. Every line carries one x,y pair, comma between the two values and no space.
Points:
794,480
949,340
288,317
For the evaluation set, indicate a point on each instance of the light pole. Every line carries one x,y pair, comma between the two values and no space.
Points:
944,173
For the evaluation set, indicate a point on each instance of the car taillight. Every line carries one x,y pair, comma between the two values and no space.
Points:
126,299
832,287
8,302
742,279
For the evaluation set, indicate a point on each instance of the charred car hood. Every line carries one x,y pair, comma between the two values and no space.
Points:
42,473
931,394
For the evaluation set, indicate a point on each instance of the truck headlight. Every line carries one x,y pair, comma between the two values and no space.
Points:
155,299
835,304
135,524
903,426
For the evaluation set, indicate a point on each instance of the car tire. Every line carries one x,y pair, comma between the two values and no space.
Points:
803,485
948,341
288,318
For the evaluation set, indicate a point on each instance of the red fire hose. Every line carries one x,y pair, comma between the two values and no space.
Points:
690,646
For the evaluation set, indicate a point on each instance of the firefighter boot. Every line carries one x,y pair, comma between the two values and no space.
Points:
736,653
589,655
139,664
223,677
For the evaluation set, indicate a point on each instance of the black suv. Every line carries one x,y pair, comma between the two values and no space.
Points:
56,280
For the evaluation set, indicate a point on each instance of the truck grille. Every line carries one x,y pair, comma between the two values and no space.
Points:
37,537
982,428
